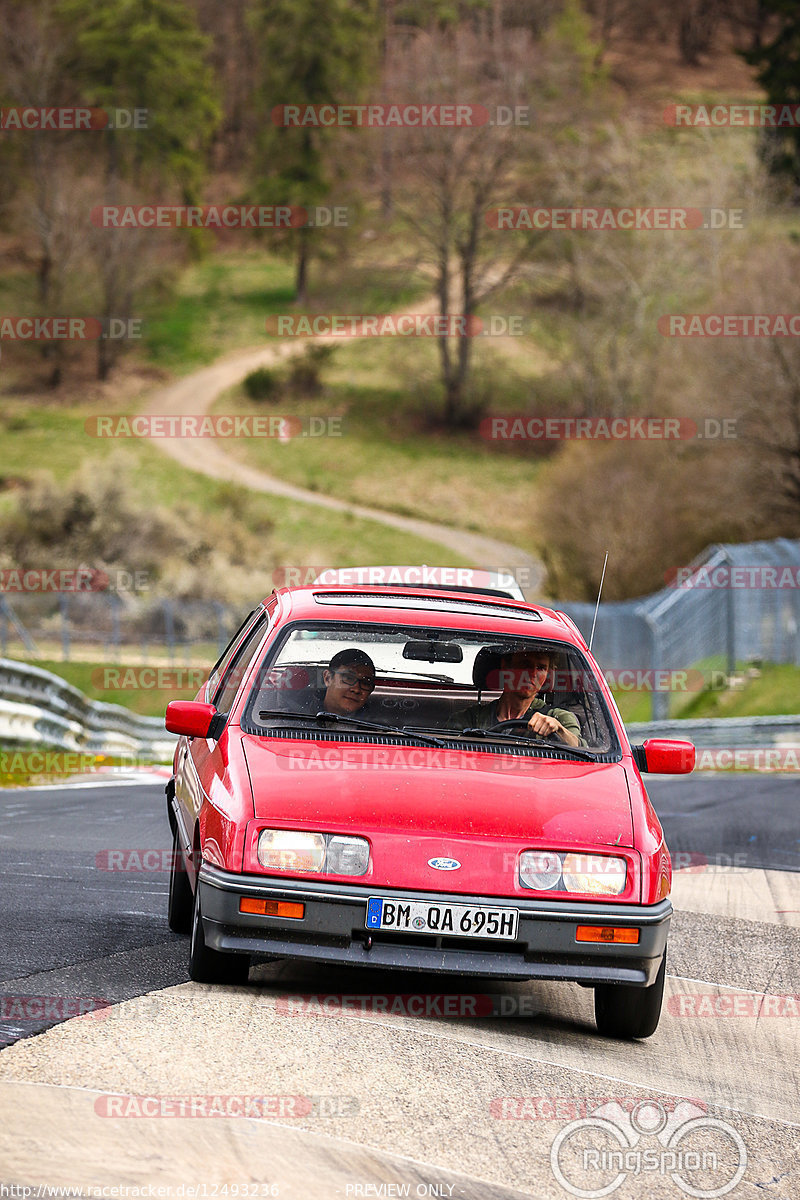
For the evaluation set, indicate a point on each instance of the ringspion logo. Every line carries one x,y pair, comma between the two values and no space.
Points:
704,1156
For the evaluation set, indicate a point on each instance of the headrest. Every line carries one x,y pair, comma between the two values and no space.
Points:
289,678
486,668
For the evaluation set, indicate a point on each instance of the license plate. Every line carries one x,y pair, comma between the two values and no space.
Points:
453,920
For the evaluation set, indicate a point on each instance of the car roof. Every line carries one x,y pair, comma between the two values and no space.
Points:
492,615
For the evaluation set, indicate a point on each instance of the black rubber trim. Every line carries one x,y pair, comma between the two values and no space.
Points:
333,930
305,734
605,913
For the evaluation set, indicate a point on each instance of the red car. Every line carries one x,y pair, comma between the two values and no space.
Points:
428,781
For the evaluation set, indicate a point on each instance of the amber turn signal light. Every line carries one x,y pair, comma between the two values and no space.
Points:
271,908
606,933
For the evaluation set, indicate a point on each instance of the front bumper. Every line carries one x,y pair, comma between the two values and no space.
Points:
333,930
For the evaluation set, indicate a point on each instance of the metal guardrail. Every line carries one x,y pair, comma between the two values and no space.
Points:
38,706
716,732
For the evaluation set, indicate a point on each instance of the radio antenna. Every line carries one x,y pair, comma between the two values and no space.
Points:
599,594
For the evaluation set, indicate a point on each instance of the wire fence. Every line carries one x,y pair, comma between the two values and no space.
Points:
107,627
734,604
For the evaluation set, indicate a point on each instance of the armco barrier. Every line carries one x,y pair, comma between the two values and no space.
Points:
716,732
38,706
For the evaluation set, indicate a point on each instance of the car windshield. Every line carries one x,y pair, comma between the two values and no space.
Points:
454,684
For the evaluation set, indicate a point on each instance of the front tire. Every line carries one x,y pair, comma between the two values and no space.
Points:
213,966
622,1011
179,906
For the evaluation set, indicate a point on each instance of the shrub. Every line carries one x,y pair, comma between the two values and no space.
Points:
262,384
305,370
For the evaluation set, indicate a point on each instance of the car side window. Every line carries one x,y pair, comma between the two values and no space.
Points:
238,665
221,665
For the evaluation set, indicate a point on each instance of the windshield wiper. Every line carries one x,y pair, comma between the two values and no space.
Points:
577,751
372,725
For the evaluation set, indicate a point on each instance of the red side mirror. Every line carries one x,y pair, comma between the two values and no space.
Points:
189,717
662,756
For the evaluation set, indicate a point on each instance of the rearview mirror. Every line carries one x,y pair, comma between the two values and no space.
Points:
662,756
433,651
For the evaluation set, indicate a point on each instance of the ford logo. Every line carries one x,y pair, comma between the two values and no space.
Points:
444,864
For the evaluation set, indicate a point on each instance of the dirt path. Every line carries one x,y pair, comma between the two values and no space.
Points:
195,394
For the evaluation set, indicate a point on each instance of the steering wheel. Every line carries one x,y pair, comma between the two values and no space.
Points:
517,723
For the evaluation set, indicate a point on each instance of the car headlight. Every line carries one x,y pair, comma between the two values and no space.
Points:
291,850
539,869
597,874
593,874
347,856
296,850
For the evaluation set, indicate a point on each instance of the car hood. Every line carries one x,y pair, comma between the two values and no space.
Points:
379,790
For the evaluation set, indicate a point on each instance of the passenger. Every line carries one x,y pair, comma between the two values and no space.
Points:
523,674
349,682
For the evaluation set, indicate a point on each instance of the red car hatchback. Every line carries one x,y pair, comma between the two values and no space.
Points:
426,781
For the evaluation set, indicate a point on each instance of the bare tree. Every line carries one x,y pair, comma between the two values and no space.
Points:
32,68
447,178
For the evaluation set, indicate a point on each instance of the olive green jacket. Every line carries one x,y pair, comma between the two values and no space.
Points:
482,716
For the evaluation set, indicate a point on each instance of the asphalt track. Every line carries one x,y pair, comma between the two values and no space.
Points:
351,1098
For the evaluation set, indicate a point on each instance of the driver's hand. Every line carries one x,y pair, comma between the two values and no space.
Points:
543,726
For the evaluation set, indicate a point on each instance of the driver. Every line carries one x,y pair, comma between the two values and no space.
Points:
522,675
